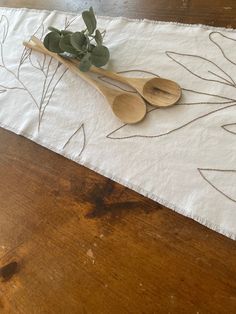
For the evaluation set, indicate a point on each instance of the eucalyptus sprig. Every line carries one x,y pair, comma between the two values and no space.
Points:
86,45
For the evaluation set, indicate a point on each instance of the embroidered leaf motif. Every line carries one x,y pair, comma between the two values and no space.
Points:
193,97
69,22
226,45
39,33
27,53
201,67
4,26
38,60
76,142
223,181
163,122
231,128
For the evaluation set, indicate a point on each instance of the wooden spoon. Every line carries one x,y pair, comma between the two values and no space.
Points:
158,92
129,108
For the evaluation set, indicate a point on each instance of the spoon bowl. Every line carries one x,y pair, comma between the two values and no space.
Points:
161,91
129,108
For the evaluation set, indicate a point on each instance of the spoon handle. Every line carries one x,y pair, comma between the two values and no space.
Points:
106,73
110,74
37,45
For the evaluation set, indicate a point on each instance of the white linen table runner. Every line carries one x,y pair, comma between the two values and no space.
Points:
183,157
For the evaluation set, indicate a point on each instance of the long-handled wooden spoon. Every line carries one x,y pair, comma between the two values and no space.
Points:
128,107
158,92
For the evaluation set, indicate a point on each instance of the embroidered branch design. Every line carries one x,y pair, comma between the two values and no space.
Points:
52,72
69,22
4,28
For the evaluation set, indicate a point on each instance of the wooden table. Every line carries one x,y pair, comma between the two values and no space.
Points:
84,244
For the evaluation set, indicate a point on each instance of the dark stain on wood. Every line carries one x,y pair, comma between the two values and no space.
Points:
7,271
114,210
1,304
112,202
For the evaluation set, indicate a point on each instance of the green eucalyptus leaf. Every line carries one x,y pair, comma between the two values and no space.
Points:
80,45
80,55
66,32
91,47
92,12
65,44
98,37
78,40
100,56
88,42
85,63
90,20
87,39
51,42
53,29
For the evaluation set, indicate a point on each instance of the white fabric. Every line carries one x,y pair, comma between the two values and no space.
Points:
183,157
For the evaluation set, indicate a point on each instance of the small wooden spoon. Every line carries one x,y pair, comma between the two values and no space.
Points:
128,107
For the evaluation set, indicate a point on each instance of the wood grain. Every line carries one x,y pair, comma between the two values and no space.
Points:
73,241
212,12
